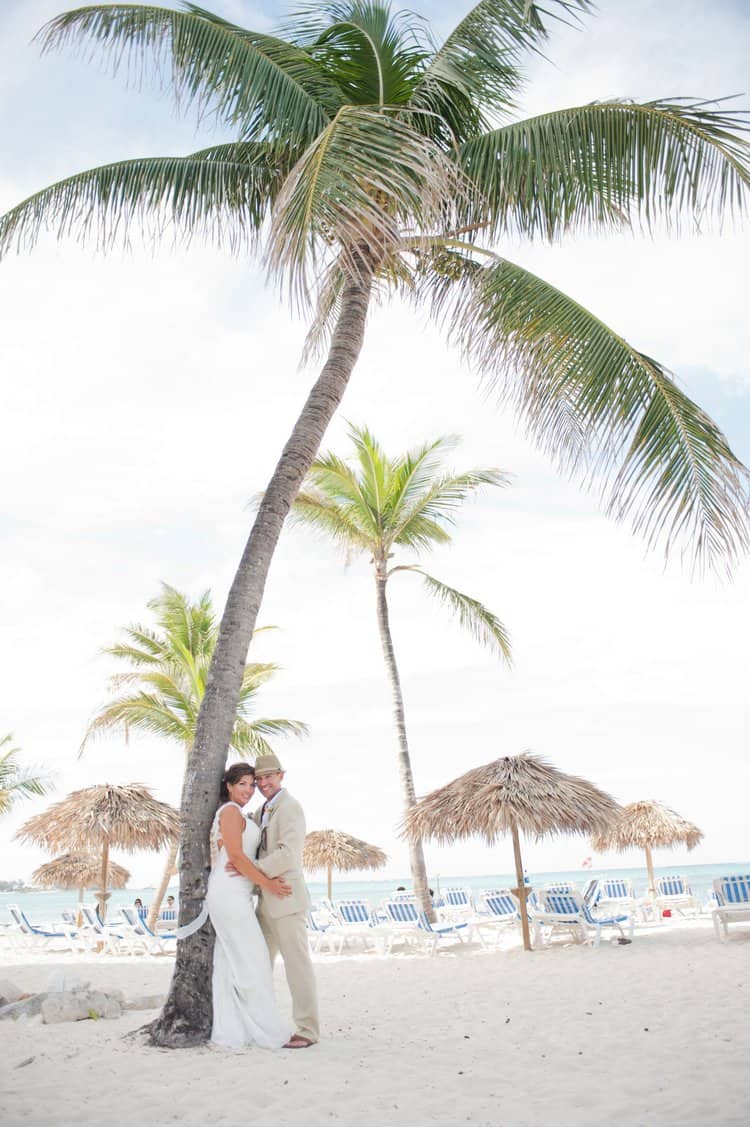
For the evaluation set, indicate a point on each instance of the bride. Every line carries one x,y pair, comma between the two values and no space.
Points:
244,1004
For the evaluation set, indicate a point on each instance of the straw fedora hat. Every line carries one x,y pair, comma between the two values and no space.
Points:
266,764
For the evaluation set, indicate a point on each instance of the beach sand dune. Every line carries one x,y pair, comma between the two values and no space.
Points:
653,1034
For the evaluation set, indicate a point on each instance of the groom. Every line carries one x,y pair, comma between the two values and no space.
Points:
282,825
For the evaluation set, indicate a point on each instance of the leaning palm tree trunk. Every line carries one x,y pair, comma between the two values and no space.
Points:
416,853
186,1017
153,912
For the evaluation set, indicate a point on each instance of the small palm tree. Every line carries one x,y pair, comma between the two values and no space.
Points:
376,506
16,782
162,692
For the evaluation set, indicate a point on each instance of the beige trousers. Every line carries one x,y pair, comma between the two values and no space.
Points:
288,936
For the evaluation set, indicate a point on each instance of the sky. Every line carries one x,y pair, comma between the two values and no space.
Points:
146,397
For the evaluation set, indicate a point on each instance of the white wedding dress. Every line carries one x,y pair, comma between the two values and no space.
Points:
245,1009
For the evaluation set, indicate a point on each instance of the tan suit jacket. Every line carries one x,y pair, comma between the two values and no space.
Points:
282,855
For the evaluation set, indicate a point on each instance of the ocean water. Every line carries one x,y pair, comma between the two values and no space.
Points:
46,906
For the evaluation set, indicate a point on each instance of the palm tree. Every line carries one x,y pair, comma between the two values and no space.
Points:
363,159
16,782
376,506
161,694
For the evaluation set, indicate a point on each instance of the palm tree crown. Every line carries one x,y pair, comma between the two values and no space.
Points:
164,688
361,149
16,782
380,504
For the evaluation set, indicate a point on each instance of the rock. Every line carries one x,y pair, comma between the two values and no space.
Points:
145,1002
9,992
80,1006
25,1008
112,1009
62,1006
62,981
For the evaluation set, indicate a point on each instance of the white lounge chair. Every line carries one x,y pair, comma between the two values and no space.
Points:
42,936
457,904
568,911
674,894
616,894
138,930
732,902
107,937
413,924
356,922
499,911
46,936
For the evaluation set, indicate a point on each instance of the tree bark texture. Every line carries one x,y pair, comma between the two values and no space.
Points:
186,1017
416,852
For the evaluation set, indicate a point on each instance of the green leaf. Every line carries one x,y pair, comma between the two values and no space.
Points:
484,626
223,193
268,89
476,71
600,408
610,164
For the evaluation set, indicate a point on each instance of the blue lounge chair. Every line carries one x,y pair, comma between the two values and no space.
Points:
321,927
411,922
358,922
568,911
616,894
457,902
499,911
673,893
43,935
108,937
732,902
156,944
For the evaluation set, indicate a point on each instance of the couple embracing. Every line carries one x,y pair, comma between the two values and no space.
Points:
262,852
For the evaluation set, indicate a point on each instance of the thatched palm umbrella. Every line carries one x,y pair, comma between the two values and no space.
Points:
78,870
97,818
519,793
331,849
647,825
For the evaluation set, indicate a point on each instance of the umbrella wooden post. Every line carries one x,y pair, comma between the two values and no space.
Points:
650,870
330,882
101,895
521,890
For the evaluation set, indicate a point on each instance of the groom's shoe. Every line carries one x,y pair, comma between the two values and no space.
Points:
298,1042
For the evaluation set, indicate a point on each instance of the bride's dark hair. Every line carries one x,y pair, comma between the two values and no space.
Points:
233,775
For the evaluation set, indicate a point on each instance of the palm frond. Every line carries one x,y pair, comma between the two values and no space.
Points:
374,54
433,508
476,70
610,164
269,89
144,711
223,193
324,515
365,177
484,626
601,408
268,726
17,782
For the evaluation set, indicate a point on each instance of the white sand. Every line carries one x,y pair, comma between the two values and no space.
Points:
655,1033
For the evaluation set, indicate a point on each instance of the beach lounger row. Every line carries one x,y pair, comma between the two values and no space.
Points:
126,935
